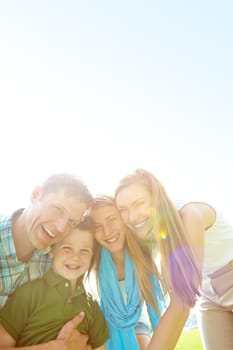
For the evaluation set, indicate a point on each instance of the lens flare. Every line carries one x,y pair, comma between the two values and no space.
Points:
162,234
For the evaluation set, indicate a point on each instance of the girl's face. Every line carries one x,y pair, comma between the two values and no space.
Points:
135,206
109,228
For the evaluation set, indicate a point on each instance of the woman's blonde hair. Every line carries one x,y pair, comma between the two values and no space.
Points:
140,255
179,269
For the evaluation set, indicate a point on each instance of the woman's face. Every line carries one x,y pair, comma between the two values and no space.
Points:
109,228
135,206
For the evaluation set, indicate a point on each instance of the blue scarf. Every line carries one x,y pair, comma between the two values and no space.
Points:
121,316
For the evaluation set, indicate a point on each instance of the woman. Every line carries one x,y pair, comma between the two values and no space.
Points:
127,280
190,237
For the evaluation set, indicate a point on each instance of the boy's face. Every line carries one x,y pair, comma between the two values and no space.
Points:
72,256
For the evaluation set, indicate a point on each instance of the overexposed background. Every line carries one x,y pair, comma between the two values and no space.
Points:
99,88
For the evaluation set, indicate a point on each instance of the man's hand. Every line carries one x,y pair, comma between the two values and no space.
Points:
74,340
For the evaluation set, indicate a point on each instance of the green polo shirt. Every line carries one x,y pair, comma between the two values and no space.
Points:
38,309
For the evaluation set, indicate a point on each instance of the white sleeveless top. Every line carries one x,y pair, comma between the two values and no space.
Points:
144,317
218,242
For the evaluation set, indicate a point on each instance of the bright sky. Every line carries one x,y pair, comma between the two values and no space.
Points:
99,88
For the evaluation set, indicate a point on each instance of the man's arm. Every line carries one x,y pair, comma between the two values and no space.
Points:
74,340
8,343
102,347
68,339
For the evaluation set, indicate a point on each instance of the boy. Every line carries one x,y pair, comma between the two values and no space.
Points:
38,309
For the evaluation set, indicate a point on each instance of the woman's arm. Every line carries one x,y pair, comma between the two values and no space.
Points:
171,324
196,218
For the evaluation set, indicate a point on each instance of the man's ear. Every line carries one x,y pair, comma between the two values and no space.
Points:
36,194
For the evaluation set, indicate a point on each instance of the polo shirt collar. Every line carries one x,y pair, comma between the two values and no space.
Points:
57,281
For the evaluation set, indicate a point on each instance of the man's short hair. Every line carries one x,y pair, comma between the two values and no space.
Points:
70,184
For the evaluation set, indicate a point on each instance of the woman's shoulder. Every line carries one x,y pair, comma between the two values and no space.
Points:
189,204
197,209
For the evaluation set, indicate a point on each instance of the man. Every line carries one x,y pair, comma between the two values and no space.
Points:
56,207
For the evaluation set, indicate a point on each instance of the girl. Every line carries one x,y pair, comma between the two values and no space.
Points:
127,280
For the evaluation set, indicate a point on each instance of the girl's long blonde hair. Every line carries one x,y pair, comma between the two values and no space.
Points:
179,269
140,255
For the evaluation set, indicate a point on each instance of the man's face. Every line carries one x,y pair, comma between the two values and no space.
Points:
51,217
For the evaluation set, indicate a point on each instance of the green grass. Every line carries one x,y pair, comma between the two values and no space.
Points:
189,340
